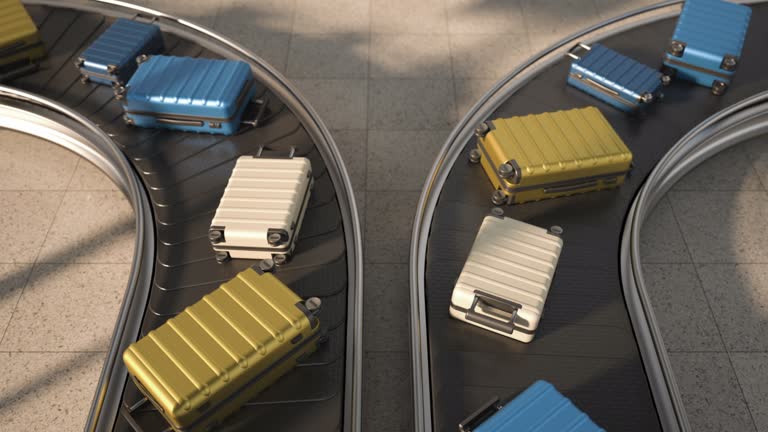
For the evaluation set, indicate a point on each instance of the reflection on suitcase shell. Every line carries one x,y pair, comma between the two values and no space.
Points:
203,364
262,209
549,155
505,281
540,408
111,58
20,44
614,78
188,94
707,42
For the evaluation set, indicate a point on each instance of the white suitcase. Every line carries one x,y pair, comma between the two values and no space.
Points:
261,211
506,278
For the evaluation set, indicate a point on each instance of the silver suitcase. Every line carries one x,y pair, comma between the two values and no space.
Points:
260,214
506,278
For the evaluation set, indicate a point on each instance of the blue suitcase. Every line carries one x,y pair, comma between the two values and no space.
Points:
111,58
189,94
614,78
539,408
707,43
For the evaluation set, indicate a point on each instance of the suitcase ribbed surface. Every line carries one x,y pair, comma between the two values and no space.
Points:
714,27
190,86
540,408
618,71
15,23
512,260
262,193
214,347
120,43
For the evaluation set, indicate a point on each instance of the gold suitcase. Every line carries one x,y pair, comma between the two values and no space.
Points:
216,355
20,44
549,155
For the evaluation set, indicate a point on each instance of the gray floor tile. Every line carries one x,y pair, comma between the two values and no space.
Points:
386,304
485,17
711,393
328,56
660,238
91,227
201,12
730,170
353,147
262,16
612,8
67,307
738,294
13,277
88,177
271,47
723,227
681,308
387,393
410,56
44,392
26,217
757,150
752,371
341,103
389,222
401,160
469,91
332,16
29,163
408,17
470,54
541,39
562,17
360,201
411,104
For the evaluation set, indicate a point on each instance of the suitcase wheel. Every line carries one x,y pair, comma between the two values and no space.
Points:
279,259
676,48
498,197
267,265
222,257
84,79
729,62
718,88
128,121
79,62
474,156
556,230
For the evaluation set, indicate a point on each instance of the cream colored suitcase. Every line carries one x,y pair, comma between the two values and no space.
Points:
262,209
506,278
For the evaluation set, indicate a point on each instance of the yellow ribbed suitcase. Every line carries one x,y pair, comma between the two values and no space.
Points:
535,157
206,362
20,44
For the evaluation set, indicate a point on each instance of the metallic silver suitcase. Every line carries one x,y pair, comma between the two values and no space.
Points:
506,278
262,209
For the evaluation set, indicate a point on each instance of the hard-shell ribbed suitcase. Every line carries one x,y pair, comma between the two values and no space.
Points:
707,42
614,78
505,281
549,155
203,364
540,408
20,44
262,209
111,58
188,94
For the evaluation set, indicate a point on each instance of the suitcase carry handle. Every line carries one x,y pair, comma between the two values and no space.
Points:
481,415
576,48
502,324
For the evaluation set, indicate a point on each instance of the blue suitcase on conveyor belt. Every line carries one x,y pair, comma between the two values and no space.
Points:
614,78
540,408
707,43
111,58
189,94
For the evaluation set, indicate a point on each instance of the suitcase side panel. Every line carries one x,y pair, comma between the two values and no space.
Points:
710,29
19,39
193,364
510,260
541,408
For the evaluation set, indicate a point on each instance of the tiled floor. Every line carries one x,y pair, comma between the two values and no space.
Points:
391,78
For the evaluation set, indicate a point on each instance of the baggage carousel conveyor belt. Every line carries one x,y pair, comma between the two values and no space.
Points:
183,175
595,343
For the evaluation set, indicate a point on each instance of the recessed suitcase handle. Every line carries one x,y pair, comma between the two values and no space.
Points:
502,324
576,48
481,415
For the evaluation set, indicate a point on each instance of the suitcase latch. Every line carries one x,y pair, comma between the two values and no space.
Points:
481,415
494,312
